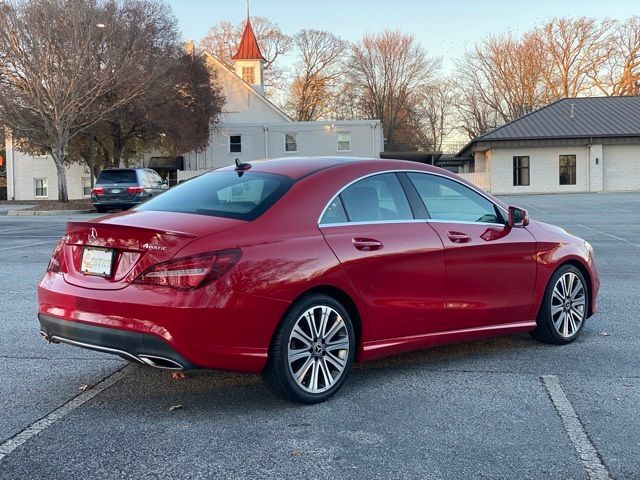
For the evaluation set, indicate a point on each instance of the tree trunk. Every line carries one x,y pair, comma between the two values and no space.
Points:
58,153
118,145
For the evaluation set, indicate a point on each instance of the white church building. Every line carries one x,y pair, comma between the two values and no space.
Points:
250,127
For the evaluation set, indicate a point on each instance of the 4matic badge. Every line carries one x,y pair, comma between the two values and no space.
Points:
152,246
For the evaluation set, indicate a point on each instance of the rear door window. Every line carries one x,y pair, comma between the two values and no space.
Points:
117,176
223,194
376,198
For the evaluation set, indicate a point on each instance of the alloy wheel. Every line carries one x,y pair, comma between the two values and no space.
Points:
318,349
568,305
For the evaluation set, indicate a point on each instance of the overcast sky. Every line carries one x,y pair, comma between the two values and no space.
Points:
444,27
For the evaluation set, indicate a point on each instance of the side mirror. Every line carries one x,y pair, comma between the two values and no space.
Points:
518,217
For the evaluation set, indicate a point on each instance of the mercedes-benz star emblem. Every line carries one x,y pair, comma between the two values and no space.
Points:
93,235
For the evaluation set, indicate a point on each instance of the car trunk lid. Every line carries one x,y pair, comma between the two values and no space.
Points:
137,240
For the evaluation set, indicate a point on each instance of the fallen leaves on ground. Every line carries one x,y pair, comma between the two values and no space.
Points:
175,407
84,388
296,453
605,334
178,375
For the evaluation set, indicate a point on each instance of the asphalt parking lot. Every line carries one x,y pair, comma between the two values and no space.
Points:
506,407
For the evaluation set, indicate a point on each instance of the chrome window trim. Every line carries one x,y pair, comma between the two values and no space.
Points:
418,220
463,222
372,222
408,220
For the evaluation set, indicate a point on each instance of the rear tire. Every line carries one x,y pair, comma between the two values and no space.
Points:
312,350
101,210
564,307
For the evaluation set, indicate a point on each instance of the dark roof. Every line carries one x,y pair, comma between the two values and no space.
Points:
573,118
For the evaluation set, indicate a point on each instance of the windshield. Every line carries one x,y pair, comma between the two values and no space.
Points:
223,194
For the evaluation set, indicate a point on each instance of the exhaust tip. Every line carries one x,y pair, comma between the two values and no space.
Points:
160,362
45,337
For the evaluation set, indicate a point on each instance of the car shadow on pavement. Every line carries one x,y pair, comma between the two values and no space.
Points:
204,391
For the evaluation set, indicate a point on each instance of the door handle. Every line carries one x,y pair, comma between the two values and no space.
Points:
458,237
366,244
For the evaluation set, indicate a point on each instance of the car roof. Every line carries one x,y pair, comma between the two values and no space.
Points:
120,169
299,167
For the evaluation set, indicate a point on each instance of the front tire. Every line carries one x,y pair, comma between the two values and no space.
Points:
564,307
312,350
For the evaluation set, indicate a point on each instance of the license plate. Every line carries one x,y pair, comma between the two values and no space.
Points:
115,190
97,261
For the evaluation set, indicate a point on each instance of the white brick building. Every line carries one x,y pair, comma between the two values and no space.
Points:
572,145
250,128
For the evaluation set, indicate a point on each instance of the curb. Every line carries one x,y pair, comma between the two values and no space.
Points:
31,213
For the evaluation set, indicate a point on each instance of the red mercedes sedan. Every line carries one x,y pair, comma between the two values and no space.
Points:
298,267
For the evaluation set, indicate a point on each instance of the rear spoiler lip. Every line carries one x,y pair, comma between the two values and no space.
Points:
71,225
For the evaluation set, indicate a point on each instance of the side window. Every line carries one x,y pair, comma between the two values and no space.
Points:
334,213
376,198
156,179
447,199
144,177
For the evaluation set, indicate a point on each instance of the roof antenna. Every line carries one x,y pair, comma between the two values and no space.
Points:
572,109
241,167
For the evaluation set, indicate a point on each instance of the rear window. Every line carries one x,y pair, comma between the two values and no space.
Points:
117,176
223,194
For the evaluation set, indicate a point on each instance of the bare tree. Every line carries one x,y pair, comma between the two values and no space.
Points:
573,53
386,70
63,60
434,111
223,39
505,74
620,75
317,73
472,115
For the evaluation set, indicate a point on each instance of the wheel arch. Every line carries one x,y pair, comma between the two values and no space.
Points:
585,273
587,276
343,298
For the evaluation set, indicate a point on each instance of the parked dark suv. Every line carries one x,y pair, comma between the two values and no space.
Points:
122,188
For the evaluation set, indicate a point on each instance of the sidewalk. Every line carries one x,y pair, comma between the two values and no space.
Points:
31,213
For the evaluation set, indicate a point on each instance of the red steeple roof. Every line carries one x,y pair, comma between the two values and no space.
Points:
248,49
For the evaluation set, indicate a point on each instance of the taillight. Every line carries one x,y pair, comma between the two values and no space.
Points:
98,191
135,190
188,273
55,263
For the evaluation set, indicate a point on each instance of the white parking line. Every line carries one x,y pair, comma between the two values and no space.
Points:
35,428
585,449
609,235
19,229
27,245
535,208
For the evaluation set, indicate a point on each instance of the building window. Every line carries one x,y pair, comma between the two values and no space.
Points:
521,171
290,142
86,186
567,169
344,142
235,143
41,187
248,75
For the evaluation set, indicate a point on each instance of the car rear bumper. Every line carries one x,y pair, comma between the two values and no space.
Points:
116,203
214,327
132,346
